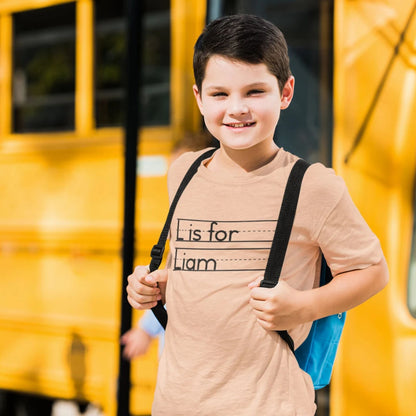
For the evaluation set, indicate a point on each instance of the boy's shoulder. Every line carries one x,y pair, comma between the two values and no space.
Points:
321,180
180,166
317,176
184,161
321,193
320,184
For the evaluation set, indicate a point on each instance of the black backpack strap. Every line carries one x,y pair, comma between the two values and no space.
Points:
157,251
282,232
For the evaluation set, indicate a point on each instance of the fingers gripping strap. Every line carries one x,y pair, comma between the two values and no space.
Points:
282,233
157,251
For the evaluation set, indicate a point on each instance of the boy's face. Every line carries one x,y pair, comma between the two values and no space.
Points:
241,102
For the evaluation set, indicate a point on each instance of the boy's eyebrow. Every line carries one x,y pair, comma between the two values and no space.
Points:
253,85
257,84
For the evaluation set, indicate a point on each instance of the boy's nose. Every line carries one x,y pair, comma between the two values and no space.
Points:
237,107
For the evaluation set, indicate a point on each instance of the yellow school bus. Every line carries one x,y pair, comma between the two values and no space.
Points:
62,97
61,211
375,151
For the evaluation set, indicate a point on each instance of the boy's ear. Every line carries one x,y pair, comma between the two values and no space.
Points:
287,93
198,98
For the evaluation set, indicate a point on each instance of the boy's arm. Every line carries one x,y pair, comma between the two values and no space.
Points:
283,308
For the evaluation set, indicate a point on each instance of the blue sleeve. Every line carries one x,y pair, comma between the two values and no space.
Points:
150,324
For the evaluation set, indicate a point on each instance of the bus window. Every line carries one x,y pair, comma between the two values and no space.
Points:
412,267
305,128
110,49
44,69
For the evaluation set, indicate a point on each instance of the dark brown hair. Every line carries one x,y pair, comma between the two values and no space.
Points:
245,38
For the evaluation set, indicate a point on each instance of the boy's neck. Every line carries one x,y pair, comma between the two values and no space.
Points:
247,159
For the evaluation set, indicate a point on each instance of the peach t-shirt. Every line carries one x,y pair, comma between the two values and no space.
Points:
217,359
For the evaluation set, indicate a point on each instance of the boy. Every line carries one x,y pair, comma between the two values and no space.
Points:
222,355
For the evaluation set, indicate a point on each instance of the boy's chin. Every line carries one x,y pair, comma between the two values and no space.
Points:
242,146
236,147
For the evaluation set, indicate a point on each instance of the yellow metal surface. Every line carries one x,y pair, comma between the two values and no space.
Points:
84,67
375,151
13,6
5,73
61,224
188,19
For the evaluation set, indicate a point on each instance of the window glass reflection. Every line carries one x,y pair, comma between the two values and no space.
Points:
44,69
305,128
110,49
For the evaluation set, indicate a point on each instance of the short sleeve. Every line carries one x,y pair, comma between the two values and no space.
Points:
334,223
345,238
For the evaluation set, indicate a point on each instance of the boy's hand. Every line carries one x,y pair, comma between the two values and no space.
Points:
145,289
278,308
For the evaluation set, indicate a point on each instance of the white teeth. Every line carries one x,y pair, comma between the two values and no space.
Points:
237,125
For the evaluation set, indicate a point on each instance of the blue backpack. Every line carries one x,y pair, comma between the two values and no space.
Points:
317,353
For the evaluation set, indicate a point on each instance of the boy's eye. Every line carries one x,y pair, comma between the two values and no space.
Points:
219,94
255,92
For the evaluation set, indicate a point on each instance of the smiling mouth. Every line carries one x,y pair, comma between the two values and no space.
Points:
239,125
